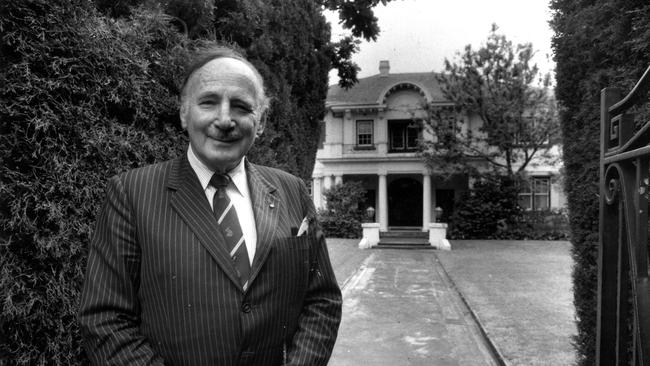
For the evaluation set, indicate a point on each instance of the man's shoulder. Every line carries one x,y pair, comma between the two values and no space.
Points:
275,174
149,173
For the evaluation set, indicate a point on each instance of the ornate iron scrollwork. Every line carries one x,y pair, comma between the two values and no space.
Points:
613,185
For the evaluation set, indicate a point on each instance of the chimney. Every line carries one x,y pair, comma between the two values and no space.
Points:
384,67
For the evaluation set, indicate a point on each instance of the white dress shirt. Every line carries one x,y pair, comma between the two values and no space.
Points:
238,193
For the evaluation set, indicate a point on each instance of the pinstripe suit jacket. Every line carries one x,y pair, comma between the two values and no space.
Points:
161,288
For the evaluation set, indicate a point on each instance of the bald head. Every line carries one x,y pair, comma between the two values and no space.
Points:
205,55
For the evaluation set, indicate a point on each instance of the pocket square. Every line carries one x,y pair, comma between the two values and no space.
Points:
304,226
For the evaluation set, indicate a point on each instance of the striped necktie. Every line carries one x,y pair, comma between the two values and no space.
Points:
226,216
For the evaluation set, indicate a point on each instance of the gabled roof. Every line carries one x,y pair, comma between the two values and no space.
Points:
373,89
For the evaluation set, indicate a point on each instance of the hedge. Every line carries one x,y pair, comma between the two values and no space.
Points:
597,44
81,100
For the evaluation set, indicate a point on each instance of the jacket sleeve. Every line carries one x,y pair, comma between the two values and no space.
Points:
109,313
319,320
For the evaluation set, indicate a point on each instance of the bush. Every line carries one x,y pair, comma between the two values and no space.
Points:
487,211
82,99
343,216
544,225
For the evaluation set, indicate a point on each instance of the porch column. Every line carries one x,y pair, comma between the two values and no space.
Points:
327,182
316,190
383,203
338,179
426,201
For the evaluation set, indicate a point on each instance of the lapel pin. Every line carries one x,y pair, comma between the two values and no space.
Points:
271,205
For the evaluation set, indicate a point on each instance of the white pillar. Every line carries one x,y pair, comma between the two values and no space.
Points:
426,201
370,235
338,180
383,203
438,236
317,191
327,182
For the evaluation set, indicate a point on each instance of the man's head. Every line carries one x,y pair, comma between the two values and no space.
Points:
223,104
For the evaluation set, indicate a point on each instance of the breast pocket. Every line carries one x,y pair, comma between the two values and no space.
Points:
290,262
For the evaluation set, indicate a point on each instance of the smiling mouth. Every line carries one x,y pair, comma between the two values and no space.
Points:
225,139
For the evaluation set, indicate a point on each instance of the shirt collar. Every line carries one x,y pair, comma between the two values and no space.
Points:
237,174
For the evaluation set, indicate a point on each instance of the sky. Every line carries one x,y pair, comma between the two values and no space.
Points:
417,35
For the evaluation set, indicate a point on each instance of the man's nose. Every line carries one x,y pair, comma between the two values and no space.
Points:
224,119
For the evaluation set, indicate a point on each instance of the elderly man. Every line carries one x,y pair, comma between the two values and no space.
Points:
208,259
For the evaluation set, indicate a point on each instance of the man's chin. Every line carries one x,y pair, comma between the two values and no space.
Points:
223,162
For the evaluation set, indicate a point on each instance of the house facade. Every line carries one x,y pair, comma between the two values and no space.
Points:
370,136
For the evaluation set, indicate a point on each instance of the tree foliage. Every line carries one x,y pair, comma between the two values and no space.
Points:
499,85
358,16
597,44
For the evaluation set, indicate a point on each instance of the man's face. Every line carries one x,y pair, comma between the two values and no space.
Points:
221,112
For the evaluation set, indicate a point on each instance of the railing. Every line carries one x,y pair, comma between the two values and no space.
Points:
623,328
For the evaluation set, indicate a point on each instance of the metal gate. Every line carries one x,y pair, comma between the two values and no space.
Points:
623,330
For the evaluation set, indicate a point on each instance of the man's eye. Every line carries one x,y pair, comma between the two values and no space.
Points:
207,103
243,107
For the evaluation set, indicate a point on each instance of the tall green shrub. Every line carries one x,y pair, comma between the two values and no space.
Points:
487,210
343,215
81,99
597,44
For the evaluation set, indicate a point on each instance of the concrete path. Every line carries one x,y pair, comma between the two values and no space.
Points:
399,308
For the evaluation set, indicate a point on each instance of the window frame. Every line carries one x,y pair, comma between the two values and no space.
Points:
530,193
398,130
370,136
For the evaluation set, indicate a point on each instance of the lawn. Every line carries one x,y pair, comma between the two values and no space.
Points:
521,291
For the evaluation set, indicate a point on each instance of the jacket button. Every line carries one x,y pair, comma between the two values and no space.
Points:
246,307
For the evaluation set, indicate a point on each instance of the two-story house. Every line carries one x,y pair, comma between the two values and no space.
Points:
370,137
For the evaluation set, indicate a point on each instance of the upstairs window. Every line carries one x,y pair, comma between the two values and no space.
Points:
528,133
403,135
536,194
364,133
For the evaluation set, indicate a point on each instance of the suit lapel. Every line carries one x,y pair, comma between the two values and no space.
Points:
191,205
266,206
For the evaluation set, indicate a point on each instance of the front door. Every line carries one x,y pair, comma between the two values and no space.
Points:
405,202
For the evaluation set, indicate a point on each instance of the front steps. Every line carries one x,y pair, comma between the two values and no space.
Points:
398,238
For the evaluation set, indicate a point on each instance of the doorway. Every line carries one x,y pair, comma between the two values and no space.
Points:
405,203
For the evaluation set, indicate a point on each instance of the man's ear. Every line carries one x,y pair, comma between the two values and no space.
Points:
261,124
182,113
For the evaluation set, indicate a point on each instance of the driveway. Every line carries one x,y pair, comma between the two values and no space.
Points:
402,307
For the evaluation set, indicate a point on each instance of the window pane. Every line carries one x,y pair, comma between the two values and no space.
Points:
397,139
541,185
412,137
525,201
364,140
541,202
364,128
